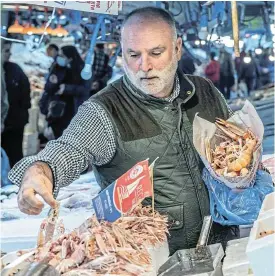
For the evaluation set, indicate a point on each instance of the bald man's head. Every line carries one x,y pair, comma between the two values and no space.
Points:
151,15
150,51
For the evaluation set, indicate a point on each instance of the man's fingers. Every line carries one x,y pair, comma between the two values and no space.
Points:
30,207
48,197
29,197
27,211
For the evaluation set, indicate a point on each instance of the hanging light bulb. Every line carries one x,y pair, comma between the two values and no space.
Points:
49,30
16,28
59,31
29,29
258,51
247,59
40,30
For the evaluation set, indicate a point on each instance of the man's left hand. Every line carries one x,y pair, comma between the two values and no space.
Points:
61,89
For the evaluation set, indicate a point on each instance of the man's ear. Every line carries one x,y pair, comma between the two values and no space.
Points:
178,48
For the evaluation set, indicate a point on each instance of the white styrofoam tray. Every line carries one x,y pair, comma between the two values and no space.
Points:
260,251
268,206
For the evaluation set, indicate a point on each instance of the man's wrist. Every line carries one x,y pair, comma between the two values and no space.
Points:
39,168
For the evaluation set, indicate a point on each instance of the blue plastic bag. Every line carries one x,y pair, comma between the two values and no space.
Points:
5,168
239,206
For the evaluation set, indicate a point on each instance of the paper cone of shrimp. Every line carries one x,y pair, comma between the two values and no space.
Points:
231,150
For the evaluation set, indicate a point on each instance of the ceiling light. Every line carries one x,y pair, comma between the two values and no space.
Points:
62,17
203,42
40,16
247,59
229,43
59,31
272,58
255,36
197,42
258,51
29,29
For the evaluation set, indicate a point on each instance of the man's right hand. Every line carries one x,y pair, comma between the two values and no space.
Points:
38,179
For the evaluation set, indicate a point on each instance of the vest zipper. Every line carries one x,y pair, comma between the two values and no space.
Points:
189,169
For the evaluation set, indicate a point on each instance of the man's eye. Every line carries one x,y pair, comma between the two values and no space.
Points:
133,55
156,53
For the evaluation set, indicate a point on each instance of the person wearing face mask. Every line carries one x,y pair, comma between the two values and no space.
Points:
147,113
65,90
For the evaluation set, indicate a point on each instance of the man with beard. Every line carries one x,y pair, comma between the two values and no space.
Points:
148,113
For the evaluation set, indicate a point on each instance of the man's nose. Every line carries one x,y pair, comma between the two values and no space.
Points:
145,64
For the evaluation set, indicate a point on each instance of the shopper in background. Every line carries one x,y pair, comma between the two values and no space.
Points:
52,51
239,61
249,71
65,90
102,72
212,70
18,90
226,73
264,64
186,63
4,99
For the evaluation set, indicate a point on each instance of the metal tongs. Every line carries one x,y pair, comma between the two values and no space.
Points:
201,251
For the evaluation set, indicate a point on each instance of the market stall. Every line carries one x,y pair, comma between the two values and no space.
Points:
97,231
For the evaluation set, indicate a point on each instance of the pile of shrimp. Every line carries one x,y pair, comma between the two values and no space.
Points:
100,248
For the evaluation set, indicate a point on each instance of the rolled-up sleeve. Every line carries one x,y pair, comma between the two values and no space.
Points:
88,139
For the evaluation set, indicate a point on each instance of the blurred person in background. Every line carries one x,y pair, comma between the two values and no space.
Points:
212,70
65,90
249,71
226,73
18,91
186,63
238,61
102,72
4,99
264,64
52,51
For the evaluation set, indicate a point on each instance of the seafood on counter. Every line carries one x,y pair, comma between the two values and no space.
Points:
99,248
233,156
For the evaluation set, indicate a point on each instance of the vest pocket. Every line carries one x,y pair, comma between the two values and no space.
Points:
175,215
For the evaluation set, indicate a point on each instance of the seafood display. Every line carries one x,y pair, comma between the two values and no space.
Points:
99,248
232,157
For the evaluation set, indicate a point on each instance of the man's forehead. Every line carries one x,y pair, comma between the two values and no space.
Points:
139,22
